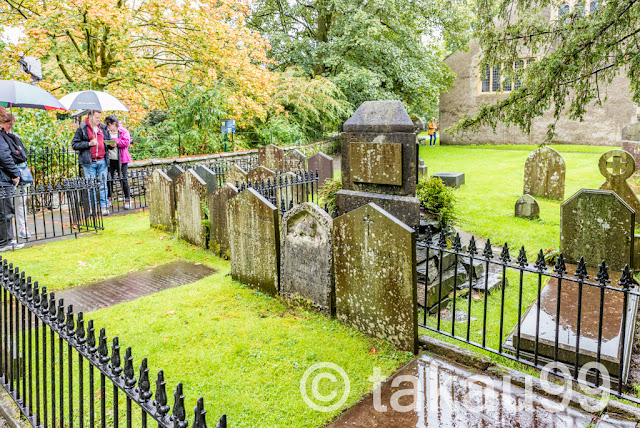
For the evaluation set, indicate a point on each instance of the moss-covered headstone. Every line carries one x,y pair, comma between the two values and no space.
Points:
271,157
218,226
544,174
161,200
191,191
375,275
254,241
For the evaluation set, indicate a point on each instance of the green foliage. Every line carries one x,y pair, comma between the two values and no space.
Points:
369,50
577,57
190,124
328,193
39,128
437,199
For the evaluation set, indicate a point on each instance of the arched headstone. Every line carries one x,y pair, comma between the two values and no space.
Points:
544,174
307,255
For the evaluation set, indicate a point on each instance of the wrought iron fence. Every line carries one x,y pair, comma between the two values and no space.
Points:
45,212
52,165
127,191
287,189
569,321
56,370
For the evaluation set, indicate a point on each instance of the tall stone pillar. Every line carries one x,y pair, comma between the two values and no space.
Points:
379,161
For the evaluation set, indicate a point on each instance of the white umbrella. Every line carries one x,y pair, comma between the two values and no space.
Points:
92,100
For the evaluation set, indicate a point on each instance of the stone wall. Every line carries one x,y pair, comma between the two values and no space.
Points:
601,125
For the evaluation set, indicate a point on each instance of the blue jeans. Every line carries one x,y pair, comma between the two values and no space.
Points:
432,139
98,170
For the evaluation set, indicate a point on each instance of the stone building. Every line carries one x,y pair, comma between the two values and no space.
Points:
602,125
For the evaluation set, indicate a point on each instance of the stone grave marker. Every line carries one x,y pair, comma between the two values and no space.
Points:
613,308
254,241
294,160
191,191
271,157
544,173
323,164
527,207
236,175
451,179
379,161
209,177
617,166
218,211
375,275
161,199
597,225
306,261
175,171
261,173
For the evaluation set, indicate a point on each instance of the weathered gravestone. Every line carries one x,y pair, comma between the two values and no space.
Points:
527,207
191,191
294,160
161,199
271,157
261,173
631,141
323,164
544,173
174,172
236,175
218,226
597,225
451,179
306,261
379,161
375,275
617,166
254,241
208,176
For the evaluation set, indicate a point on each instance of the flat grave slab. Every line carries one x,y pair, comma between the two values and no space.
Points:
125,288
589,324
451,179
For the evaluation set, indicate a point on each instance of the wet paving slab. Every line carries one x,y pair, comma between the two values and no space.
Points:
431,392
125,288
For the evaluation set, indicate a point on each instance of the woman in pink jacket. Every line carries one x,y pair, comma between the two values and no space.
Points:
119,158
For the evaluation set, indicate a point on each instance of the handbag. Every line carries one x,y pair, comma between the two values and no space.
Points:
25,173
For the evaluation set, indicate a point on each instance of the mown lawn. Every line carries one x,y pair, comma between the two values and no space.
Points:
243,351
494,177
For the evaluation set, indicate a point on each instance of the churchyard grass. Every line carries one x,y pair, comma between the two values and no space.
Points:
243,351
494,182
127,244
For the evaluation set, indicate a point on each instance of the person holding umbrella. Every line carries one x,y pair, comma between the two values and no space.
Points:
9,177
19,154
93,154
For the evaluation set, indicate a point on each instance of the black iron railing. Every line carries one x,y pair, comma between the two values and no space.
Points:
57,371
52,165
287,189
136,181
569,321
45,212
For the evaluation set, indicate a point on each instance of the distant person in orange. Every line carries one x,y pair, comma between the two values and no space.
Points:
433,130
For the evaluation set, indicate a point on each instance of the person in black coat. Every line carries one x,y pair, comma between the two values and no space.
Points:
20,157
9,178
93,154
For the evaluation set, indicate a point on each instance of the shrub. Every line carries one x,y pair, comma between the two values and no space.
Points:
437,199
328,193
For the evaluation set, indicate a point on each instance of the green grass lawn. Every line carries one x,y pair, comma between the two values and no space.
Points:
243,351
126,245
494,177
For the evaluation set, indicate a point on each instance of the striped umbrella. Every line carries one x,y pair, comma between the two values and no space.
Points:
21,95
92,100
